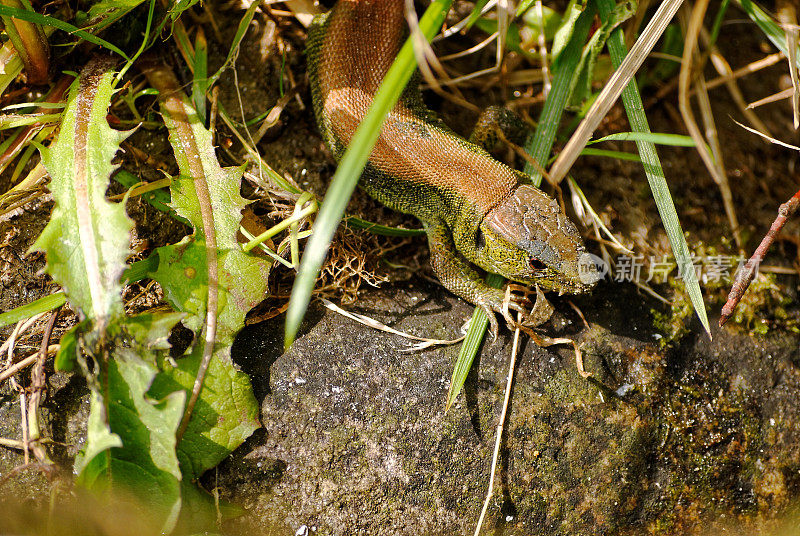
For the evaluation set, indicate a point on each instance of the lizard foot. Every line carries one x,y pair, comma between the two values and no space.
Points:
517,298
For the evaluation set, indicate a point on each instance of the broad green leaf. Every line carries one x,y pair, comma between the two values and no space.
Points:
180,6
182,275
86,240
549,18
99,439
210,262
144,462
67,354
225,414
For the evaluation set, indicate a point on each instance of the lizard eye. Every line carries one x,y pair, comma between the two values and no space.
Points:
536,264
480,240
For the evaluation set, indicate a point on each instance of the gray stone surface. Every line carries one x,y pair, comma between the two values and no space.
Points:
356,439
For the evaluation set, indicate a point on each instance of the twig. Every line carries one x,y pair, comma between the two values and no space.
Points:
745,276
23,409
500,423
22,326
28,361
11,443
36,389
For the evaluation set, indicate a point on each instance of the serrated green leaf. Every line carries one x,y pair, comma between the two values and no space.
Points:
151,331
140,457
225,414
99,439
182,275
86,240
207,195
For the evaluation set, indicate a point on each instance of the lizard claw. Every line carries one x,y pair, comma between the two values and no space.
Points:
494,327
517,298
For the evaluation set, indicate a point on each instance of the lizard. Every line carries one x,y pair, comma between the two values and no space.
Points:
474,209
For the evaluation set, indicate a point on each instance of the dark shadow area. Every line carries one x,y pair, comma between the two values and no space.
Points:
257,346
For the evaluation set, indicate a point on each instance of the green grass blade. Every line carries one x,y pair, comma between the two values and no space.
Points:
244,24
199,80
42,305
655,174
767,24
135,272
350,167
541,143
538,146
471,345
382,230
657,138
44,20
619,155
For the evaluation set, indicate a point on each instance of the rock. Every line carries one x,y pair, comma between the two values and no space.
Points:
662,441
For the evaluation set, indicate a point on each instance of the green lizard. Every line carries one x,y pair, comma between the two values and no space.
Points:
474,208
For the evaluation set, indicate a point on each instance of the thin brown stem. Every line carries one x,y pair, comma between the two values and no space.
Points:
748,272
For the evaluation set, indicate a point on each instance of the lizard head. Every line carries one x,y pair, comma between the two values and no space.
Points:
527,238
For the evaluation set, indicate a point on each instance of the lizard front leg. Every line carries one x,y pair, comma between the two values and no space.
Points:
458,277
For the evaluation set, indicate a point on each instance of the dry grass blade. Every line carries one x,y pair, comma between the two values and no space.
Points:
768,138
722,68
26,362
455,28
371,322
750,68
613,88
427,62
690,44
582,205
304,10
780,95
788,17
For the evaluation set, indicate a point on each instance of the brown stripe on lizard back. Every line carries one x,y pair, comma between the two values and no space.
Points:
362,39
